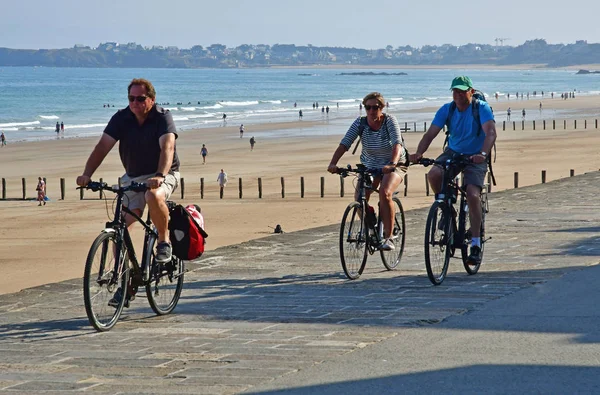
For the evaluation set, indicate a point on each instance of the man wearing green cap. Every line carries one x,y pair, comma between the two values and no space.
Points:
466,137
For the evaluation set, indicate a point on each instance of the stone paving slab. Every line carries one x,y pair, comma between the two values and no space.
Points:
270,307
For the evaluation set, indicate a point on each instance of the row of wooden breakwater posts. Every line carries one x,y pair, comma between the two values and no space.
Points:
543,124
260,189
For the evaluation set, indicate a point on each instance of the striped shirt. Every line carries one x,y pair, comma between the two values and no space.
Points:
377,145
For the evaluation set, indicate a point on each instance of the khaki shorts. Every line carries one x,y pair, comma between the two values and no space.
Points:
474,174
137,200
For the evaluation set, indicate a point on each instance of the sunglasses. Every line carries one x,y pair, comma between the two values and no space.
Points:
369,108
139,99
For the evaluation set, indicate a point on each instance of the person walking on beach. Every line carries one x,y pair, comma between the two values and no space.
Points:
146,134
382,148
224,119
57,129
300,114
222,179
2,139
241,130
204,152
41,191
464,136
508,114
252,142
62,127
523,113
540,107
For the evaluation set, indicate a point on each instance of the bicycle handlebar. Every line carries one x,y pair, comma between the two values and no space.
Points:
458,160
360,169
102,186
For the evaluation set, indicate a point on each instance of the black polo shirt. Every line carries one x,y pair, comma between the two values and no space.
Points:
138,144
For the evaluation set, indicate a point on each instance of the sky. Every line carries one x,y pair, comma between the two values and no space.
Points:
36,24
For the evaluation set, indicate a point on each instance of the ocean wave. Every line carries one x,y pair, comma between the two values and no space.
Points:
271,101
211,107
48,116
207,115
239,103
188,108
345,101
171,108
17,124
181,119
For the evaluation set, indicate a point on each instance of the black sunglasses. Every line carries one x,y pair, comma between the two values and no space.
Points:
139,99
368,107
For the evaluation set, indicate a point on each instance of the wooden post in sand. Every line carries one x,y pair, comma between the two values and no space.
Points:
534,124
240,187
415,127
553,124
341,186
3,188
544,124
100,191
182,187
426,186
522,125
575,123
24,188
503,125
514,125
565,125
516,179
405,184
424,126
322,186
585,123
572,172
259,188
596,124
301,187
282,187
201,187
543,176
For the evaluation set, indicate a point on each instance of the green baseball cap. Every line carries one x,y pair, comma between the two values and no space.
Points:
463,83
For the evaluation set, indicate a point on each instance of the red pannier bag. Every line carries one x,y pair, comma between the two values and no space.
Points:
186,231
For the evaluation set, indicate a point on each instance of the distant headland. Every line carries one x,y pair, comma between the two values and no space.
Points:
133,55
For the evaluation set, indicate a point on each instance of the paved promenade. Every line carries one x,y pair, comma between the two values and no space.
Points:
277,315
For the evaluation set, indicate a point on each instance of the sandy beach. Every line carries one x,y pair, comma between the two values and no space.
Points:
47,244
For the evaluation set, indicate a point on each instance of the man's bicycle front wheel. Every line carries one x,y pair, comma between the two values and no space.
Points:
165,281
353,241
392,258
104,291
439,236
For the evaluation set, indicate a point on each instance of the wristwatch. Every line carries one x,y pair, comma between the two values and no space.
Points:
159,175
483,153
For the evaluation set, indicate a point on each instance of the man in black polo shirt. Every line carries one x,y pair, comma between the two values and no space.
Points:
146,135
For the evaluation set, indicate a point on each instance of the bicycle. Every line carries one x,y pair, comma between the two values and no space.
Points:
443,235
112,273
361,231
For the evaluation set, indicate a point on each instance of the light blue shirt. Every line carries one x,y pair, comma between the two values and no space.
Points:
463,131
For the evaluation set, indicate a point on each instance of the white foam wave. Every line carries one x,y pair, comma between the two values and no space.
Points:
86,126
49,116
207,115
271,101
239,103
188,108
171,108
17,124
211,107
345,101
181,119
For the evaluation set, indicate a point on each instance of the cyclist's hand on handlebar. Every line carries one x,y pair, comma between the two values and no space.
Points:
333,169
388,169
415,158
83,180
477,158
154,182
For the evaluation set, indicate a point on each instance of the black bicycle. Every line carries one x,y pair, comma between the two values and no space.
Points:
361,231
113,274
444,232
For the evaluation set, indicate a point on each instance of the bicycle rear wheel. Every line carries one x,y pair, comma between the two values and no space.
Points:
438,238
353,241
392,258
101,286
166,281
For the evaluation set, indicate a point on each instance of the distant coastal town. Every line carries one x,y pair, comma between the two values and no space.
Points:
129,55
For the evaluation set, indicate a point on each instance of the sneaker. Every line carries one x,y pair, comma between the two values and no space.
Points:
388,245
474,258
163,252
116,299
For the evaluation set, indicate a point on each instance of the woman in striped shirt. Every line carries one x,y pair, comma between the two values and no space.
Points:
382,148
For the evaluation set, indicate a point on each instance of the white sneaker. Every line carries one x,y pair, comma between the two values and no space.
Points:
388,245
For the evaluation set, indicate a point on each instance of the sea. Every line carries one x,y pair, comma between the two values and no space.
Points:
34,99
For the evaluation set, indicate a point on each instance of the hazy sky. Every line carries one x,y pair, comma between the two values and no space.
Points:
347,23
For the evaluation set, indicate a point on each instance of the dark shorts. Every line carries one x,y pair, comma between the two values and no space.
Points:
474,174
